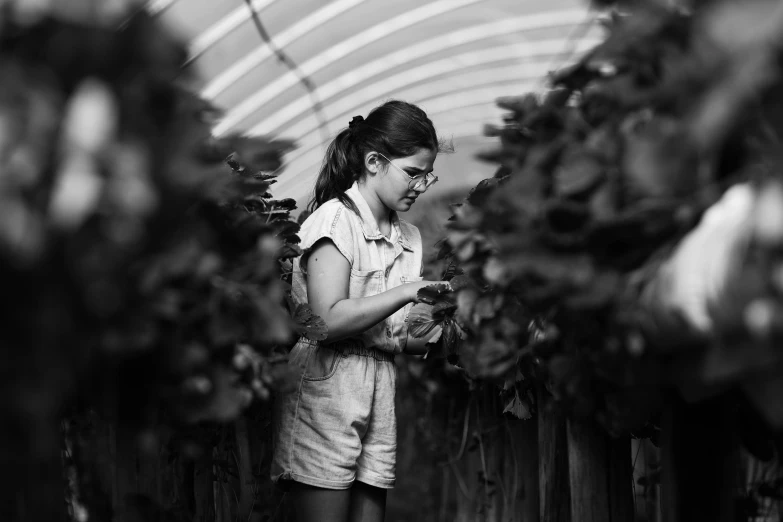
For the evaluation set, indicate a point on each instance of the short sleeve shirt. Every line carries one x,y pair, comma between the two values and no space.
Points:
377,263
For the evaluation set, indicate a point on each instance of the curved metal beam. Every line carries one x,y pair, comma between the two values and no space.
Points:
155,7
331,55
220,29
306,133
247,63
564,18
393,84
311,140
470,128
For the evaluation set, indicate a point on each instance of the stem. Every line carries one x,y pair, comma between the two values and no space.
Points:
481,452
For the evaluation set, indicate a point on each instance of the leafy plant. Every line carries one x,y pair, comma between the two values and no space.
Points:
145,278
599,181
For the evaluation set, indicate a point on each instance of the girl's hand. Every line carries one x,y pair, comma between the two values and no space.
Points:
418,285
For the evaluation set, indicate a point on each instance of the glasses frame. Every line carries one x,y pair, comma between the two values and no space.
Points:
415,182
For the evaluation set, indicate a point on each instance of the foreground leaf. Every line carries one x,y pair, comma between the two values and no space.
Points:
433,293
309,325
421,320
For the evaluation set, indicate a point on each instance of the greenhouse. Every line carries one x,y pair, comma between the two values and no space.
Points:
356,260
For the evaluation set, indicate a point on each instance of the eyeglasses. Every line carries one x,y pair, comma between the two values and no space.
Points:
419,182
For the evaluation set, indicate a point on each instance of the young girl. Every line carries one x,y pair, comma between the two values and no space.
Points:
336,434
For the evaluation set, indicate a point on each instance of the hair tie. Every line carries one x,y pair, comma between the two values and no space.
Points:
355,121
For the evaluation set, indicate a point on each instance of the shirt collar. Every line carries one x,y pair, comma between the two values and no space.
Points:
369,225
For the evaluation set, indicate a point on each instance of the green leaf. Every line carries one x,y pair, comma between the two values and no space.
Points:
309,325
286,230
518,104
433,341
518,407
443,309
225,329
288,251
487,306
597,293
557,97
479,194
256,154
287,204
512,378
659,161
433,293
421,321
266,176
458,282
573,76
444,249
564,225
452,336
579,172
235,165
466,301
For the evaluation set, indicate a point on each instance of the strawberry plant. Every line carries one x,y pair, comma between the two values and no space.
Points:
145,278
559,258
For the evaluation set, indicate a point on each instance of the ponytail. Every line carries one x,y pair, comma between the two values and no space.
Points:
395,129
341,167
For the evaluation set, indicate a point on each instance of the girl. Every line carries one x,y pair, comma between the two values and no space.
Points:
335,436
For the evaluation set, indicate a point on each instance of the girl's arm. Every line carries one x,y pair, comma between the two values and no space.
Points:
328,275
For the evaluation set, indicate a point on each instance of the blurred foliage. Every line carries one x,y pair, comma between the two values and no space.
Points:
144,278
570,267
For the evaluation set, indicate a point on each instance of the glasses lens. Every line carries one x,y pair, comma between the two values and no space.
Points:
424,183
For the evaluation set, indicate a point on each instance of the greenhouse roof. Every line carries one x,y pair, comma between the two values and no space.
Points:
301,69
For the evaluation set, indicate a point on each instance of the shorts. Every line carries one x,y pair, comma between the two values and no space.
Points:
339,425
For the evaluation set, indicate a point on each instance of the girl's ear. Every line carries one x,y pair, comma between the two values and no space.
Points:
372,163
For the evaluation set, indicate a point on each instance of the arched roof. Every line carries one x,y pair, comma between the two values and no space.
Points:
301,68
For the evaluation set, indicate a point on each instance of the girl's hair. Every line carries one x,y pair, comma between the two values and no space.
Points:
395,129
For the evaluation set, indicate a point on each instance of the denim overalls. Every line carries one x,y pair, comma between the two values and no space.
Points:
339,425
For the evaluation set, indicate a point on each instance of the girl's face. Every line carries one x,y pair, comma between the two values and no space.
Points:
393,182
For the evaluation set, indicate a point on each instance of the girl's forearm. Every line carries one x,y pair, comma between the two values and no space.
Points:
353,316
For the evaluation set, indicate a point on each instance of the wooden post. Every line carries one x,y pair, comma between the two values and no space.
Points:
600,474
92,449
244,469
125,466
203,482
620,466
512,464
33,487
588,476
149,469
699,461
178,481
498,480
554,492
521,459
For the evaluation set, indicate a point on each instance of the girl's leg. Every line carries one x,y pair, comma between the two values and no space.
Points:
314,504
368,503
